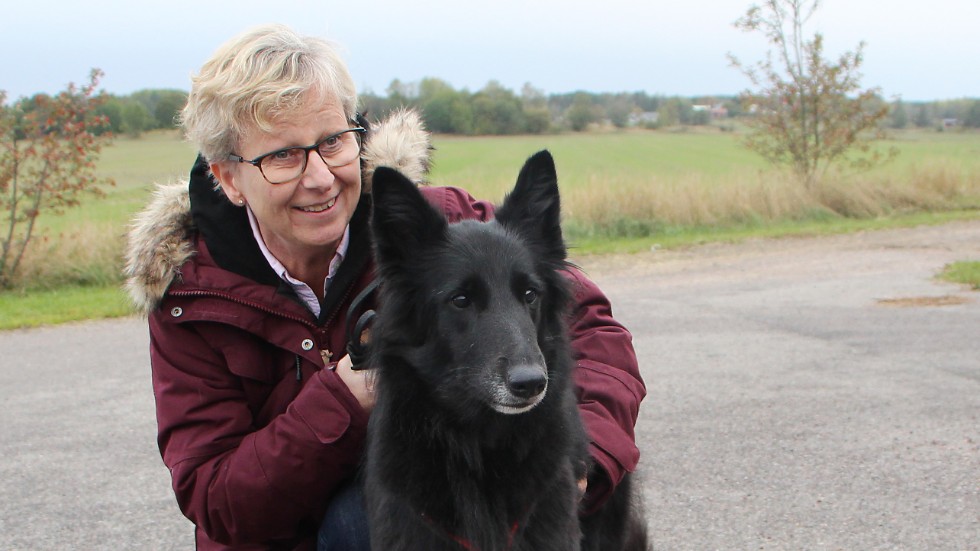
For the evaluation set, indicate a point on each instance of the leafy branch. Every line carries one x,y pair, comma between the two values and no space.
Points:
810,112
48,149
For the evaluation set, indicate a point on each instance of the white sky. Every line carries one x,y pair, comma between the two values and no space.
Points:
919,50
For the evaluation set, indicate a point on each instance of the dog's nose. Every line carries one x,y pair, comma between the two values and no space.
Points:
526,381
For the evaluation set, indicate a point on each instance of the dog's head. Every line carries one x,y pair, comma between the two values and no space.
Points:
473,310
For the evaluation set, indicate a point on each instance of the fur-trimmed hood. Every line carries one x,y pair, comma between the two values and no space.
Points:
160,238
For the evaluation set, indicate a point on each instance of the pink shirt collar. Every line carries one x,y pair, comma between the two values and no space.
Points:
303,291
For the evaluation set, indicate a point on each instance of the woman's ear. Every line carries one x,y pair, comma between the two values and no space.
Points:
225,175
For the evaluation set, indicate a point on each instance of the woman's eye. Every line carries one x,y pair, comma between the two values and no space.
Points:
461,301
330,145
285,156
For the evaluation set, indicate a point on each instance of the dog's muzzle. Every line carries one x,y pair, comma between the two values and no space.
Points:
524,387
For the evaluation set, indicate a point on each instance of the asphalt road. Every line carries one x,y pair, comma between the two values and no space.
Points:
803,394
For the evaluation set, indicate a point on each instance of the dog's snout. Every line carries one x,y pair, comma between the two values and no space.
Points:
526,381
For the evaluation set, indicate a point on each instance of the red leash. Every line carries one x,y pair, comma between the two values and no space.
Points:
463,542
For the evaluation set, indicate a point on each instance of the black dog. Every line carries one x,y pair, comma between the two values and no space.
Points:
476,441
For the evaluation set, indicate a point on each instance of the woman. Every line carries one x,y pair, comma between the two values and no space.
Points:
246,275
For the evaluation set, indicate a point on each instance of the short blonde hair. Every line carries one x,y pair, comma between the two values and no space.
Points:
257,77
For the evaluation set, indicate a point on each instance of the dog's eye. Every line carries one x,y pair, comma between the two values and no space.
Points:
461,301
530,296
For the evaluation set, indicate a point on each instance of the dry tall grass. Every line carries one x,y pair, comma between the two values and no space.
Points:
90,254
606,207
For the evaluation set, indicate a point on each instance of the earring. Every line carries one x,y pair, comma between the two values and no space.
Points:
241,202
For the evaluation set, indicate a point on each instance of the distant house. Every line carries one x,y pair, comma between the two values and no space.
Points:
717,111
645,118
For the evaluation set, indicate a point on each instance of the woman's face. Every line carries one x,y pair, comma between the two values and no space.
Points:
301,221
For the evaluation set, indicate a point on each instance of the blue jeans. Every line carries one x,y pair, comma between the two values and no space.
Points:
345,525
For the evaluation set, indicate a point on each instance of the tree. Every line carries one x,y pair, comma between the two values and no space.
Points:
811,112
900,116
112,110
496,110
167,108
972,119
582,113
443,107
47,159
619,110
135,119
669,112
536,113
400,93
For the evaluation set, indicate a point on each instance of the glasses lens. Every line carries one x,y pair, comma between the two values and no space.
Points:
283,166
288,164
339,149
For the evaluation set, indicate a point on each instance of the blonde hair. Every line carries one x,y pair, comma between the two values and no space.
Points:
256,78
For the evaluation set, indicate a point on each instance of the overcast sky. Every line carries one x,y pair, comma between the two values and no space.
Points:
919,50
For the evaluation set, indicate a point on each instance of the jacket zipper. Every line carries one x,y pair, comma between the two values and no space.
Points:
260,307
243,302
340,304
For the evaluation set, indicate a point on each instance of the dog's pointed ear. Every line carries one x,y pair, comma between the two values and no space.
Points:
533,208
402,220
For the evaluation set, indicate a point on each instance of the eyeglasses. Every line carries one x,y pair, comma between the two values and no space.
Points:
287,164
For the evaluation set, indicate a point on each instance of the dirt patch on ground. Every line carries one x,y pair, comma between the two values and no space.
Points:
915,302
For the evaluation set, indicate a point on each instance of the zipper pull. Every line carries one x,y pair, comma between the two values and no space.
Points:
299,370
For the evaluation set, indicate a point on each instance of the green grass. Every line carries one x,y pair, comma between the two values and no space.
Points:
965,272
488,166
679,237
135,164
621,192
919,148
32,309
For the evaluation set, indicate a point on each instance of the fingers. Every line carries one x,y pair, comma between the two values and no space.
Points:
360,383
345,363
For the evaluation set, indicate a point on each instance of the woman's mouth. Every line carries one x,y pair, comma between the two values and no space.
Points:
320,207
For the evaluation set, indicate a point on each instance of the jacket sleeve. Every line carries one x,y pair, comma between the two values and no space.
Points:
238,482
610,387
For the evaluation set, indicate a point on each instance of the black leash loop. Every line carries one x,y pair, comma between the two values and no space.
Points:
357,340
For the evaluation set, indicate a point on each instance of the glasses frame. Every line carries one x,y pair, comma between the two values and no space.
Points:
257,162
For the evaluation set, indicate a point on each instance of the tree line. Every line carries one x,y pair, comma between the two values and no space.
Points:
129,115
497,110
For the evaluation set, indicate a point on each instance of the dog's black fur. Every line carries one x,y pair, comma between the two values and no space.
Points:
476,441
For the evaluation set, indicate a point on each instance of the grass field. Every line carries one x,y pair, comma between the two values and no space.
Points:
966,272
605,165
135,165
623,191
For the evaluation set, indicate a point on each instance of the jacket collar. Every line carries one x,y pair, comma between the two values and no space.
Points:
225,228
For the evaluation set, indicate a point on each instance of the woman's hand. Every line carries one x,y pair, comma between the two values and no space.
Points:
360,383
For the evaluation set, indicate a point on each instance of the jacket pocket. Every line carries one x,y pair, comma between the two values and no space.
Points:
258,363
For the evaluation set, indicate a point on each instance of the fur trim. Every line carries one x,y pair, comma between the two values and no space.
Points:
400,142
159,238
158,245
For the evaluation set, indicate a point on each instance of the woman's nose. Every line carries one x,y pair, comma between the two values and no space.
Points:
317,172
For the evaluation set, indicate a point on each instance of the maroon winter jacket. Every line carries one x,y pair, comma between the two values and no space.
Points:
256,433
